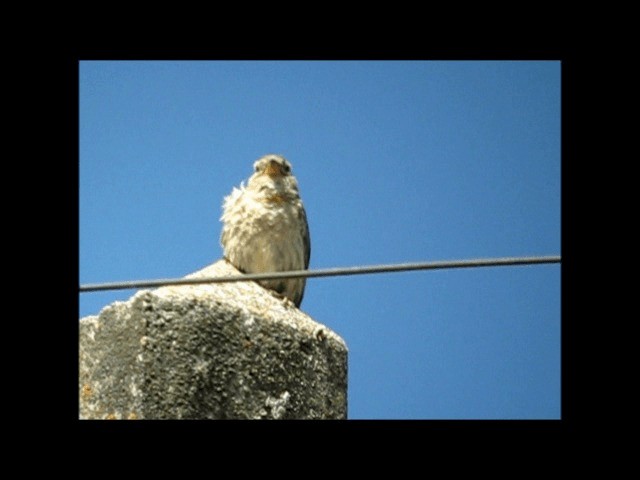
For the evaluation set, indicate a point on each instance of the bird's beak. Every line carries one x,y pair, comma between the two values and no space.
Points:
273,169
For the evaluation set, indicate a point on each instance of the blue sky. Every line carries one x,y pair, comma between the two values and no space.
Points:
397,162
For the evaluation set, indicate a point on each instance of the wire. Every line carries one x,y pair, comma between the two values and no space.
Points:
326,272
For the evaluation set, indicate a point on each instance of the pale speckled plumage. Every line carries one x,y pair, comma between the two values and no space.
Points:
265,226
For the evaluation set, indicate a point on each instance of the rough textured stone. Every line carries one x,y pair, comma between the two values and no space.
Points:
216,351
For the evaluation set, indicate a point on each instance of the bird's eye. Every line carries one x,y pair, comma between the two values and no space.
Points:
286,167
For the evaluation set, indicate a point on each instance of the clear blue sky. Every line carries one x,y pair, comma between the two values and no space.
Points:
396,162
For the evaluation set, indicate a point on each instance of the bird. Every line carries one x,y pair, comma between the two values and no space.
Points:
265,227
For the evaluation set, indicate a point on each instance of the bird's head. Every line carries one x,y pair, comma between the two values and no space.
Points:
274,166
272,179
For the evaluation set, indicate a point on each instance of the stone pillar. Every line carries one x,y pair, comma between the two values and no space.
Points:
211,351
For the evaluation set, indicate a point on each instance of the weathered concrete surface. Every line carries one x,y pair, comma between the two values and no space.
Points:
217,351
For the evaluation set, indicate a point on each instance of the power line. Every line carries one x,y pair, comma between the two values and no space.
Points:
326,272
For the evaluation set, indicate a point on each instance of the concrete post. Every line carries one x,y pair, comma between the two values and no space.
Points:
216,351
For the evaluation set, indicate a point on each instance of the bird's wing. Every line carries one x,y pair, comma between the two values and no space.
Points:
306,239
